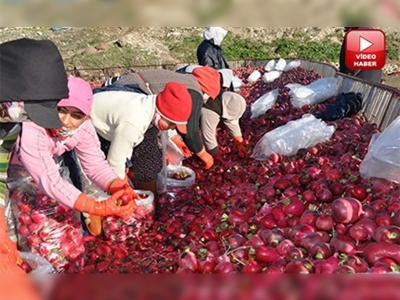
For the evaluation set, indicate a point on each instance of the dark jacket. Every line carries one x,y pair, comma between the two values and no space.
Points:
154,81
209,54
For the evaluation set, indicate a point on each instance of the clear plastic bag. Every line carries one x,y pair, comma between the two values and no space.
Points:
44,226
236,83
383,156
175,178
38,264
117,229
289,138
264,103
314,93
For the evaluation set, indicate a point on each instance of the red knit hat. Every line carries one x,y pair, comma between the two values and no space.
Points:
175,104
209,80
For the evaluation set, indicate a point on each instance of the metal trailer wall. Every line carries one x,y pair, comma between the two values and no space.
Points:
381,103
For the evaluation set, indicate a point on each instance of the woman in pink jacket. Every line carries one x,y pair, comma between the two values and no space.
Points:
37,147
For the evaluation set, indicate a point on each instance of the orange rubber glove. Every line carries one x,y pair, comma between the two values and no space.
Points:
8,249
118,184
177,140
238,141
206,158
104,208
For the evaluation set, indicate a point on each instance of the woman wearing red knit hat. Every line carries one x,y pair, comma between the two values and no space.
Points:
124,119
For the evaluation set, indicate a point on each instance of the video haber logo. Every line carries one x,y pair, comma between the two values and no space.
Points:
365,49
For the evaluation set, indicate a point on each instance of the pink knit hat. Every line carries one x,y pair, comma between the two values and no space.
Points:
175,104
80,95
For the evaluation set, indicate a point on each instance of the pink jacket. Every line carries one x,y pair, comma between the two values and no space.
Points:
36,148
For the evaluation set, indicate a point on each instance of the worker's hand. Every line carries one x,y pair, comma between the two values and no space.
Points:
206,158
8,249
177,140
238,141
112,206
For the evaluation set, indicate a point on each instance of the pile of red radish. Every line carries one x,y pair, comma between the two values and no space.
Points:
310,213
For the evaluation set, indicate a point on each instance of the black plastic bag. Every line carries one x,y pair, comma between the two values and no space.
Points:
345,104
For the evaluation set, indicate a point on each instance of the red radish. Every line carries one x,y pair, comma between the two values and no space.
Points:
312,238
380,268
346,210
272,237
358,233
344,270
284,246
368,224
251,267
299,232
309,217
396,219
390,234
206,266
278,213
320,250
336,189
293,206
343,244
266,254
324,222
375,251
293,254
324,195
308,196
383,219
326,266
268,222
358,192
282,184
357,263
300,266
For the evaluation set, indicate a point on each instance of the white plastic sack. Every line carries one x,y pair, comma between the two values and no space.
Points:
236,83
383,156
271,76
174,178
270,66
314,93
293,64
253,77
264,103
38,264
289,138
280,65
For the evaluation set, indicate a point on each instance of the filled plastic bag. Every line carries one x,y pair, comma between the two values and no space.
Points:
117,229
175,178
289,138
271,76
236,83
344,105
280,65
38,265
253,77
270,66
383,156
293,64
314,93
44,226
263,103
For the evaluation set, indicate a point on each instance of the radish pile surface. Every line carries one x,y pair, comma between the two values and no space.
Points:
309,213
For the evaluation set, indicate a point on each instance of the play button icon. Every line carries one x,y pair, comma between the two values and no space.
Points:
365,49
364,44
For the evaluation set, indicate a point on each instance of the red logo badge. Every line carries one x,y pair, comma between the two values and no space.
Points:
365,49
